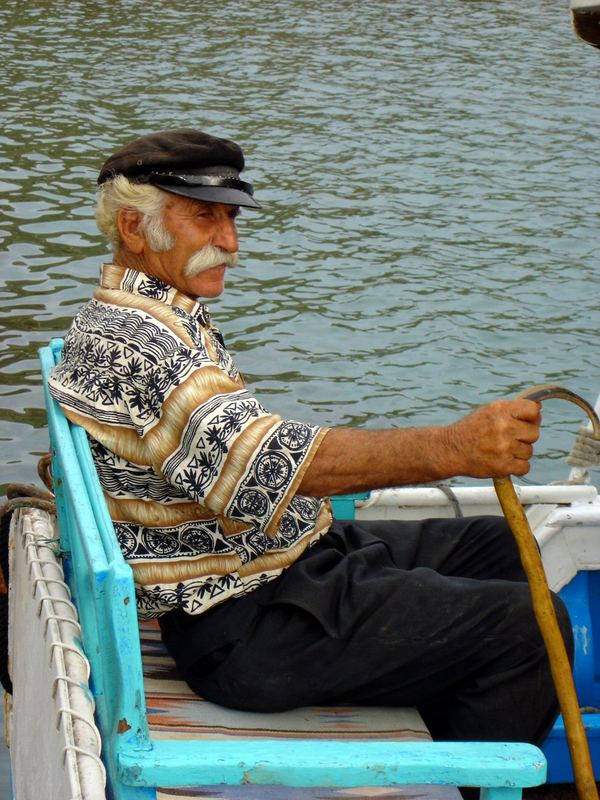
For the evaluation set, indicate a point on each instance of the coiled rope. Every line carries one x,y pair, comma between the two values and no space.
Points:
585,451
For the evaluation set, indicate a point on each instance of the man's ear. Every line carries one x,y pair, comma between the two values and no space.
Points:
129,223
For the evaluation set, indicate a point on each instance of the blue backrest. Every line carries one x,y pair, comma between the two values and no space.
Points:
100,580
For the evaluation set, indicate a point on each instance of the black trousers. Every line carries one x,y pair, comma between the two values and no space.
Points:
435,614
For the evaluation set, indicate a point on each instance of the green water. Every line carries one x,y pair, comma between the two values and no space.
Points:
428,178
428,173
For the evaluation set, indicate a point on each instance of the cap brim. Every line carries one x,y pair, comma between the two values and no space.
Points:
210,194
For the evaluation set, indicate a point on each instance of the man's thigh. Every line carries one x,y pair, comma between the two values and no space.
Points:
472,547
359,628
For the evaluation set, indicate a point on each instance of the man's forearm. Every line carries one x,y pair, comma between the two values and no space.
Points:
492,441
351,460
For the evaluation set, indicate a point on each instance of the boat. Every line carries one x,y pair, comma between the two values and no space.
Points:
96,698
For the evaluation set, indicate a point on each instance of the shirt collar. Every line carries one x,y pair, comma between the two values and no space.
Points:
113,276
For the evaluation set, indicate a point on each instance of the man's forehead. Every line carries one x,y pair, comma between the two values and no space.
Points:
190,204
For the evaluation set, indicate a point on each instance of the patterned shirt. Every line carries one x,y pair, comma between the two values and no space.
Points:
201,482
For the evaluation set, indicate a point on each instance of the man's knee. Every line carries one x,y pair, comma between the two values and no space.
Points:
524,623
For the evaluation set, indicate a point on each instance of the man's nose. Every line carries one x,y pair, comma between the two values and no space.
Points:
226,235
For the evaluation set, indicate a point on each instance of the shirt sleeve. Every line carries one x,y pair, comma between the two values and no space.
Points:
218,445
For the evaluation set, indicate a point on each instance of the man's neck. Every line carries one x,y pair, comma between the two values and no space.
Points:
125,258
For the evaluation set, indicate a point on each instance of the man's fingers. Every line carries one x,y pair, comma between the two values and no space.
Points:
528,415
527,432
527,410
522,450
520,467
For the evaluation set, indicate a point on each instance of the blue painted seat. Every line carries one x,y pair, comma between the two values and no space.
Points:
138,761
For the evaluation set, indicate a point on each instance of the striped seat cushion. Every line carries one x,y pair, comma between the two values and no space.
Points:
175,711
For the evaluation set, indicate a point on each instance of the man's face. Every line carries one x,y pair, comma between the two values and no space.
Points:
193,225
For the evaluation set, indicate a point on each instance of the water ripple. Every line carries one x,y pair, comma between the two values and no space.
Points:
428,179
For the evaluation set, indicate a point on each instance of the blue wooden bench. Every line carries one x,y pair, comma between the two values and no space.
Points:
138,761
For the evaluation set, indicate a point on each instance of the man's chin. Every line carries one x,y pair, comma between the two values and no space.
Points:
208,283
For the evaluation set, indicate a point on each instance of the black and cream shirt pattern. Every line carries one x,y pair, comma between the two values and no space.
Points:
200,480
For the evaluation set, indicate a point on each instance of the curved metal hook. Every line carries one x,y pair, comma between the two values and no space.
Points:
549,391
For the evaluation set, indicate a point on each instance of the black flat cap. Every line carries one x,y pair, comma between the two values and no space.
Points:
185,162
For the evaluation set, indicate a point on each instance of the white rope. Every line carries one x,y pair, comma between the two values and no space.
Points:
59,618
51,599
58,581
371,499
73,748
585,451
70,712
71,682
74,700
32,560
45,561
69,648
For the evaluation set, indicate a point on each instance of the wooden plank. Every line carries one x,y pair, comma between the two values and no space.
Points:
333,763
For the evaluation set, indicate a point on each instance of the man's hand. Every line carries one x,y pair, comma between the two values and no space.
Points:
497,439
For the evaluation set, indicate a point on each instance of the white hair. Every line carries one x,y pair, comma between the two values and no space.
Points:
149,201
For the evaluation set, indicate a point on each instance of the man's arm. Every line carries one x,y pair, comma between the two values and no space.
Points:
493,441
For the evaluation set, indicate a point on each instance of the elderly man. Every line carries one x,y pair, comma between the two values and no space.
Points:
220,507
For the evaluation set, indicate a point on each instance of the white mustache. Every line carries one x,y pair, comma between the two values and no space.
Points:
207,257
